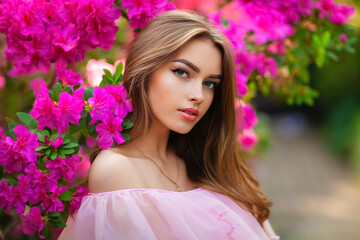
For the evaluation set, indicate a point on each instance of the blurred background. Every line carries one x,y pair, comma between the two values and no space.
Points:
311,169
307,158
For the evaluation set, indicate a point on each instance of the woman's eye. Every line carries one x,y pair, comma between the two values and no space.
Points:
180,73
210,84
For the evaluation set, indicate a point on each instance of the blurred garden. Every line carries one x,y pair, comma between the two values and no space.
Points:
298,100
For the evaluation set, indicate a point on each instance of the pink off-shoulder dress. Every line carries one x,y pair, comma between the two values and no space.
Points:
160,214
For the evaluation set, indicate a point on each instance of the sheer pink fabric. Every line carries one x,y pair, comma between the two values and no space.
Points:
160,214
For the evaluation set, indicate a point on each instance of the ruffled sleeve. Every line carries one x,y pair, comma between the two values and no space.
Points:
160,214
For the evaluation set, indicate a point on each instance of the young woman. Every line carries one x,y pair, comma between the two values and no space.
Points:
180,176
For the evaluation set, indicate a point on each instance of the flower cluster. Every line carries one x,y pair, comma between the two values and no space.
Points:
109,106
30,184
41,160
41,32
141,12
262,31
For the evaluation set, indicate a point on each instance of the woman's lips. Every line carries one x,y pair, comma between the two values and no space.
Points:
187,116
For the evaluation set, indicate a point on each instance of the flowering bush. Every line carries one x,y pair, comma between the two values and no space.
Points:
274,42
39,161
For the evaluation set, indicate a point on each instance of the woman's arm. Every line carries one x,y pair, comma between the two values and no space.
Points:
270,231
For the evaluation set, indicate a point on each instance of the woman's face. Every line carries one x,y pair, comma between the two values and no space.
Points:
181,90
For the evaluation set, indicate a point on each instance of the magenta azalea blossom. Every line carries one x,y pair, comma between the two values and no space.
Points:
69,109
17,196
52,203
26,143
97,18
248,139
2,135
108,131
11,160
44,109
241,81
33,223
60,167
76,199
102,103
69,77
249,117
65,37
121,106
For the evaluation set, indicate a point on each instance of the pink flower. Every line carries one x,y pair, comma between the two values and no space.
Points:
11,160
248,139
66,168
55,144
44,109
267,67
108,131
17,196
241,81
2,82
33,223
66,37
2,135
84,165
35,84
52,203
69,109
90,142
141,12
277,48
96,19
338,14
69,77
102,103
76,199
121,106
245,116
343,38
26,143
28,54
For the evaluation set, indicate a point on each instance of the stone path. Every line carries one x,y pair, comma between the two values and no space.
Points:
314,196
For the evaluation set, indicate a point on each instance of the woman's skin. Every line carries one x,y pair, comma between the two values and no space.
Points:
187,81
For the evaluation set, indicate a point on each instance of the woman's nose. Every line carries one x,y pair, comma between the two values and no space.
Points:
196,93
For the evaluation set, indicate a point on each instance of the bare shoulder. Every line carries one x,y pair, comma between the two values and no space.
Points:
112,171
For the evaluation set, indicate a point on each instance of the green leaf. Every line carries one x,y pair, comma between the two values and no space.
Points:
41,134
66,151
53,155
41,148
325,38
70,145
108,74
67,89
27,119
332,56
66,196
9,120
126,136
56,92
12,180
127,124
225,23
118,72
11,130
48,151
56,220
105,81
88,93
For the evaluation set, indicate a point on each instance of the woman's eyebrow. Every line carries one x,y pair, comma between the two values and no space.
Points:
194,67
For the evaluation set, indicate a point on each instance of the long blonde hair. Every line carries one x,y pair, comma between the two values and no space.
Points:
210,149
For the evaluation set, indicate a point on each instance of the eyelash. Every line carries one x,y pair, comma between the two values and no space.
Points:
176,71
